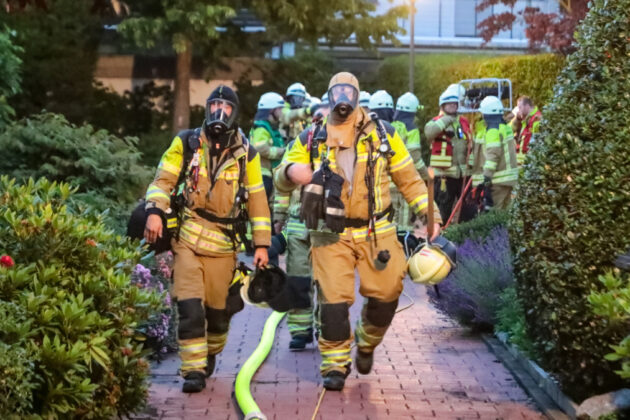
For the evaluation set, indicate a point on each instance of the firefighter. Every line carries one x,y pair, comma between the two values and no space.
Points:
450,138
286,212
345,165
382,104
495,169
525,125
266,137
295,112
406,107
222,187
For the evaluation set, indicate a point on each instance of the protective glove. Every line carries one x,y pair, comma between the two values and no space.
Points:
335,210
488,202
313,201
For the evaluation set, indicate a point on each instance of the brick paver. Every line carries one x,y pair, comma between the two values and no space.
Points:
427,367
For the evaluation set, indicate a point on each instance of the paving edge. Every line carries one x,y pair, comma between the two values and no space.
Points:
535,381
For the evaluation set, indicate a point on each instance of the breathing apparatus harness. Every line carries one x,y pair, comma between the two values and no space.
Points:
236,221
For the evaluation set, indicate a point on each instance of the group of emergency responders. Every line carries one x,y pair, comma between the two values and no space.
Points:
340,184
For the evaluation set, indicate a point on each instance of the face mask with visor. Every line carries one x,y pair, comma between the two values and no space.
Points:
223,117
343,98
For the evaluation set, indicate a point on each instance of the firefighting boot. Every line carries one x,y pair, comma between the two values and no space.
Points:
334,380
194,382
299,342
364,361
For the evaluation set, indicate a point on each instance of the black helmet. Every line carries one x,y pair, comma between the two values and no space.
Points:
221,111
269,285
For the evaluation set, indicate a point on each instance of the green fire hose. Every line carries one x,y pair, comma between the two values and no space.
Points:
241,387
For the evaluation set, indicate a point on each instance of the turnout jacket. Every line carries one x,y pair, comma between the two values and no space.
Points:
494,155
354,195
214,194
269,143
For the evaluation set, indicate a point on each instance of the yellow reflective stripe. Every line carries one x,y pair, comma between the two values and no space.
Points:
401,165
171,222
169,167
256,188
335,353
260,223
490,165
156,192
193,227
378,193
193,347
440,124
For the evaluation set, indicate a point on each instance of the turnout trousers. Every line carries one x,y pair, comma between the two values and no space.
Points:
300,319
204,307
335,260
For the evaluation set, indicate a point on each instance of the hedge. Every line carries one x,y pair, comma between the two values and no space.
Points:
570,219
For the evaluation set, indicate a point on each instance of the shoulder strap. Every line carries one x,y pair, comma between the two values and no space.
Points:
190,143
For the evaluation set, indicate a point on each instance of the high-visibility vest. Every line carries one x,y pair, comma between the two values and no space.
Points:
442,148
525,136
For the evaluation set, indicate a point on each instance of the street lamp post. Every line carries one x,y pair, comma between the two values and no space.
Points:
412,15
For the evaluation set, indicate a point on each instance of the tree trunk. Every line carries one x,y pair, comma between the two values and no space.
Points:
181,109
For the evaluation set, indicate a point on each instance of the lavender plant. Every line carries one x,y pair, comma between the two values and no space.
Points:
471,293
159,330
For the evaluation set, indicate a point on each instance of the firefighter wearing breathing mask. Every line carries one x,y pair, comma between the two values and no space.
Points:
345,165
222,192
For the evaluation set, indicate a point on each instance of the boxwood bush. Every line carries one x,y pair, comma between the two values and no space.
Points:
68,310
572,204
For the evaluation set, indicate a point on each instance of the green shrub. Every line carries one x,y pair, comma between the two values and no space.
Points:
71,281
613,305
511,320
531,75
570,213
104,168
479,227
10,65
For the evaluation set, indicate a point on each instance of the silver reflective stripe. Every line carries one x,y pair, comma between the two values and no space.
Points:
334,211
314,188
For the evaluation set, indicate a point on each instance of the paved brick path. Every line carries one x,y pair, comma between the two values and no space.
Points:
427,367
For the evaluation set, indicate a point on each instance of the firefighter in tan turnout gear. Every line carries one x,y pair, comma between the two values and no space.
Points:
222,192
345,165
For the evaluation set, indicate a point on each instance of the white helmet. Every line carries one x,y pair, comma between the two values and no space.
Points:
491,105
457,88
271,100
315,101
325,99
308,100
451,94
364,99
408,103
296,89
381,99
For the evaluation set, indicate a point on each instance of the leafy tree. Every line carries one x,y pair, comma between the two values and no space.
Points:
184,23
10,65
570,214
543,29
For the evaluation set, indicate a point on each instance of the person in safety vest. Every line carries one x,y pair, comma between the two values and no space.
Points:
382,104
364,101
286,211
525,125
345,165
222,192
295,112
406,107
449,136
266,137
495,170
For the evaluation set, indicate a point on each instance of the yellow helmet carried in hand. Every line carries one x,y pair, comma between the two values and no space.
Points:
432,263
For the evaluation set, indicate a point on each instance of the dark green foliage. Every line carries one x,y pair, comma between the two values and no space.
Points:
613,305
10,65
510,317
479,227
572,206
59,45
313,68
105,168
17,361
76,309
